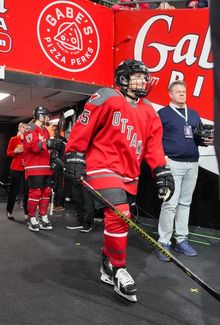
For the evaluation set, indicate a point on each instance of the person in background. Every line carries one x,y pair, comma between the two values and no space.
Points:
38,171
83,207
83,216
165,5
116,131
129,6
196,4
59,196
183,132
16,152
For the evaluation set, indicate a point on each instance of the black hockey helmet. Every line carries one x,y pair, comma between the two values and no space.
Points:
124,71
126,68
40,110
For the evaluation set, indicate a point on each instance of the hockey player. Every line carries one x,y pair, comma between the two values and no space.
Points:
116,131
37,169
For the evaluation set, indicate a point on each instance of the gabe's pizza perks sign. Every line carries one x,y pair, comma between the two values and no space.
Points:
68,36
62,39
174,45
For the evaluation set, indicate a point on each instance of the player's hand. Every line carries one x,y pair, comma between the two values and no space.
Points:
164,183
74,166
19,149
209,141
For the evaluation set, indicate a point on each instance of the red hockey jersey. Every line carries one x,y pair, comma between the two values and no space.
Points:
36,154
116,136
17,162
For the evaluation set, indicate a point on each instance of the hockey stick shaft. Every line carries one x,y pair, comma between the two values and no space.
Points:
152,241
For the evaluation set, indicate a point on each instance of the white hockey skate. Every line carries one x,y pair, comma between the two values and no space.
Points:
45,224
33,224
124,285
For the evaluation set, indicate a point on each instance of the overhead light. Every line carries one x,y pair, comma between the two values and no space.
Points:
3,96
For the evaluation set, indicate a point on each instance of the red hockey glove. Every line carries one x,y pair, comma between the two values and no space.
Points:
164,183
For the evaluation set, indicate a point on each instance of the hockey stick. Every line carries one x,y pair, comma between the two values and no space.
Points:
152,241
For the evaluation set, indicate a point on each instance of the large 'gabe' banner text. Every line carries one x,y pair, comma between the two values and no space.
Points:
173,44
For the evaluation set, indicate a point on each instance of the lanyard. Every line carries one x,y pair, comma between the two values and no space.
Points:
180,114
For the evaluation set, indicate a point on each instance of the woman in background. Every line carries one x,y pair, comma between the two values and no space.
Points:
15,151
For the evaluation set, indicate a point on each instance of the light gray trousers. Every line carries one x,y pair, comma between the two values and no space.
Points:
175,212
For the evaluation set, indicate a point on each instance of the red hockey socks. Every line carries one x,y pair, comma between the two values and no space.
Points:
44,200
115,236
34,196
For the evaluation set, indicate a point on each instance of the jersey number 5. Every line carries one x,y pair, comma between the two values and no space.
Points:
84,117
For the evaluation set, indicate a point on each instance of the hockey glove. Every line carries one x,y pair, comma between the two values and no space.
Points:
164,183
202,132
55,144
74,166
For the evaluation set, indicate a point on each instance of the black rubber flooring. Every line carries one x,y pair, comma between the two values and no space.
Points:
52,277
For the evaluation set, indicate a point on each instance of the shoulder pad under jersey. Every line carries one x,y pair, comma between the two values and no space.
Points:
102,95
30,127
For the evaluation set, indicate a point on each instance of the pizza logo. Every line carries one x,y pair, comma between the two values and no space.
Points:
68,36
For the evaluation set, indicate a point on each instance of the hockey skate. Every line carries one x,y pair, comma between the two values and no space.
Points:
33,224
124,285
45,224
106,270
